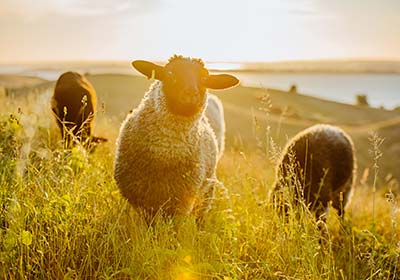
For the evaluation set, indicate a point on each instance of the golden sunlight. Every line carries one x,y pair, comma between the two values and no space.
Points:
190,140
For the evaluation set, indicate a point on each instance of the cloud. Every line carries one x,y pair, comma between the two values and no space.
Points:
107,7
359,7
25,8
284,7
223,29
30,10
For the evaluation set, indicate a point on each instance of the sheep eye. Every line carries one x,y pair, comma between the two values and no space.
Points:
203,80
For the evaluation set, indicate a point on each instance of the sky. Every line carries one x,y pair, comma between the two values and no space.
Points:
215,30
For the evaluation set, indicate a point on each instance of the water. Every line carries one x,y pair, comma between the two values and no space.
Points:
381,89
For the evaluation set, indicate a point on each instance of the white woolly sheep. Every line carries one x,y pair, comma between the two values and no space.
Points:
167,152
318,165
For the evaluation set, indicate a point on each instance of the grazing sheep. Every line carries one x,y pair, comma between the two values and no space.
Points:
74,105
167,151
318,164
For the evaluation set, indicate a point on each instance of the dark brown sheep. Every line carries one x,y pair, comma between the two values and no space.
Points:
74,106
318,166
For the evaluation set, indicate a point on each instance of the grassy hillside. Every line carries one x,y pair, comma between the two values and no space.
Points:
15,81
62,216
253,115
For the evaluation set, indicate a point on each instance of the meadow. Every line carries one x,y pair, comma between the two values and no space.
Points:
62,216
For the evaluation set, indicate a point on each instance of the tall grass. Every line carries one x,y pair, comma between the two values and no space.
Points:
62,216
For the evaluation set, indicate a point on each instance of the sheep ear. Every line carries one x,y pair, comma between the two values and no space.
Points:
221,81
149,69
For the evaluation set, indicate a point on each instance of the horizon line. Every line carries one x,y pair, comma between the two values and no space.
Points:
341,59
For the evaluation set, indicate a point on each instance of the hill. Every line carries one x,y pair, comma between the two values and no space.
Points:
328,66
253,114
16,81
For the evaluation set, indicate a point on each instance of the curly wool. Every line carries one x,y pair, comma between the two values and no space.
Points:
321,161
164,161
215,116
181,57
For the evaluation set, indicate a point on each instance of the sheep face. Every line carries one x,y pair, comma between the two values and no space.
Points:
184,86
185,82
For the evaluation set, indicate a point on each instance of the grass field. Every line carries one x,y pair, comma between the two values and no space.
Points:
62,216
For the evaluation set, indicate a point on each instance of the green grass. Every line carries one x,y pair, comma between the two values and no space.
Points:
62,216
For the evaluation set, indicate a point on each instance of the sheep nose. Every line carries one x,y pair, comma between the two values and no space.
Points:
190,96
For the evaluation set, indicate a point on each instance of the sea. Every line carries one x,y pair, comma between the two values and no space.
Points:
380,89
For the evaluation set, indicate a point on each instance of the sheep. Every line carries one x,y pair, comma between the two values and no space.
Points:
167,152
215,116
74,105
318,165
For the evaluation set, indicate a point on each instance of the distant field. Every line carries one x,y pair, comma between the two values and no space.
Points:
15,81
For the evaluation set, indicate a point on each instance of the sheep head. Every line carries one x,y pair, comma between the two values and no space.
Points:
185,81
